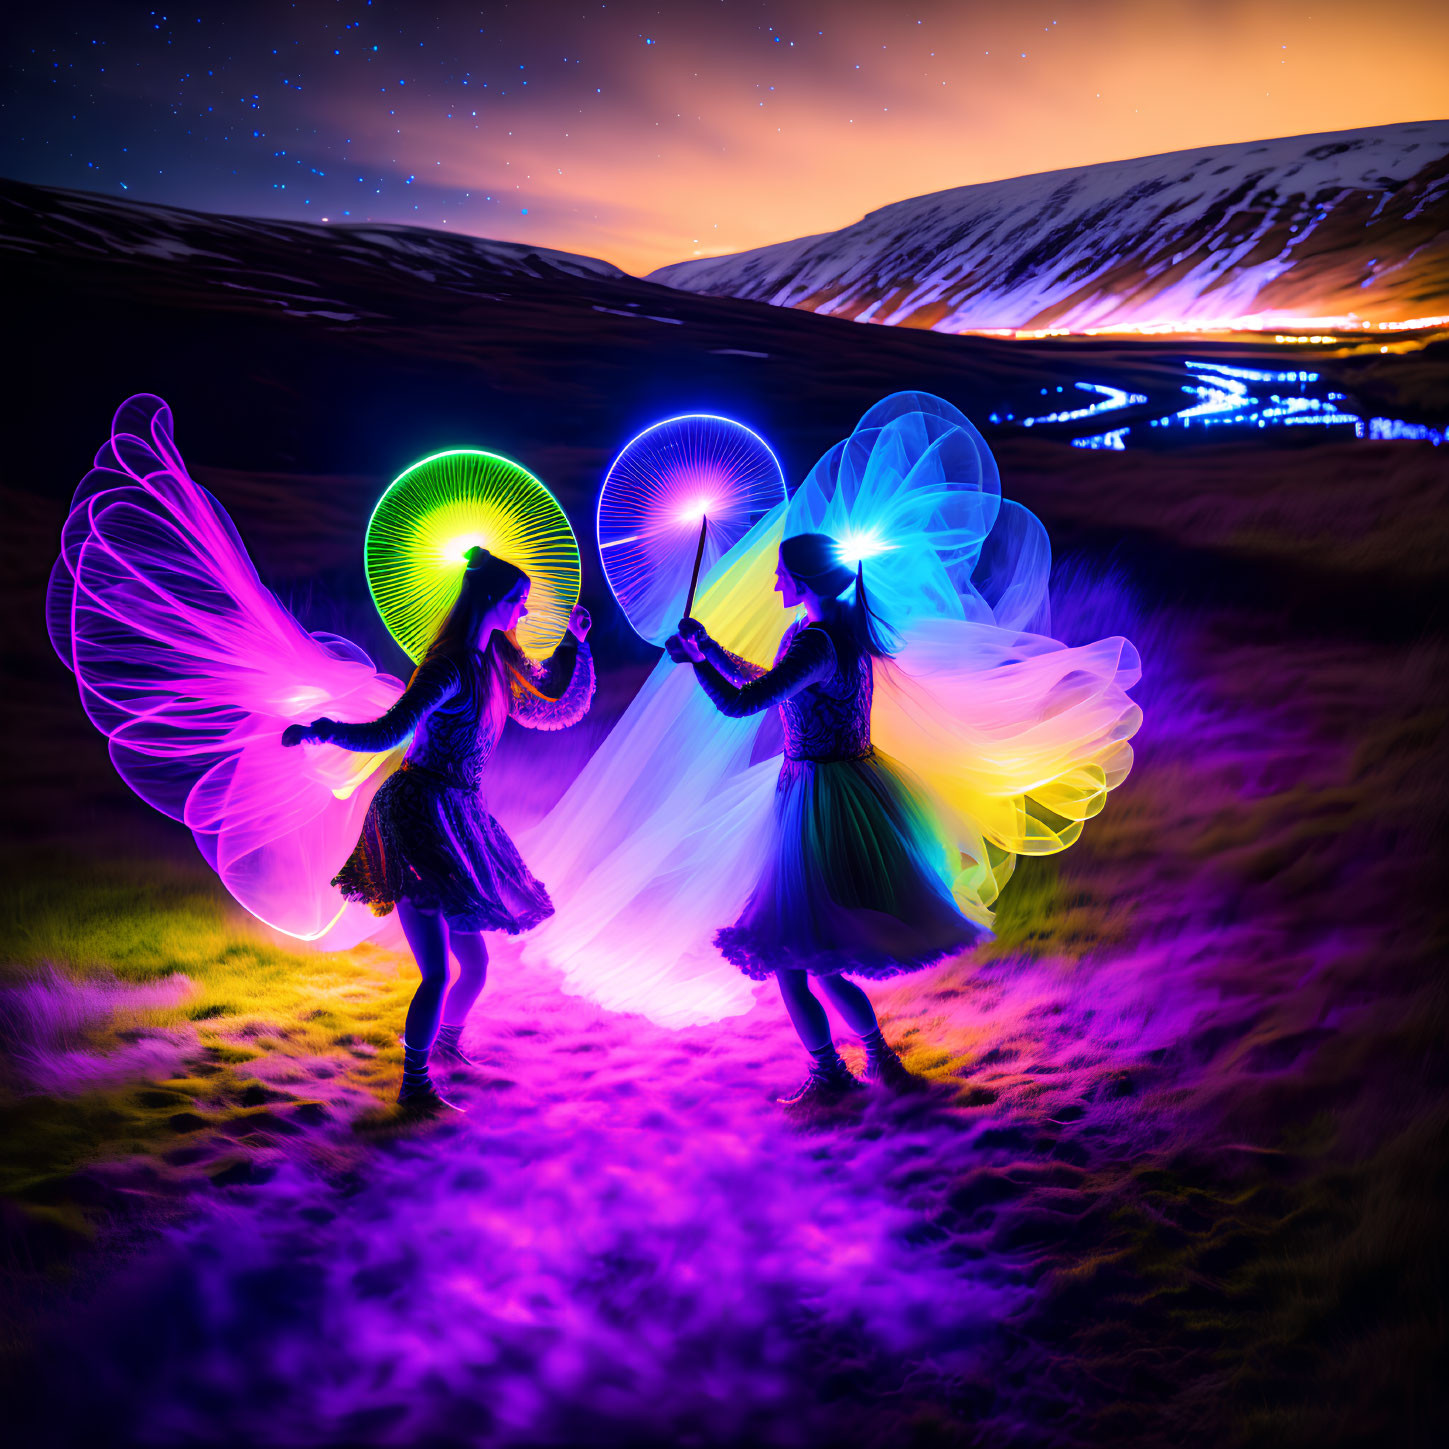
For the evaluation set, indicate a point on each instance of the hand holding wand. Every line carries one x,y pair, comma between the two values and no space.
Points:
678,648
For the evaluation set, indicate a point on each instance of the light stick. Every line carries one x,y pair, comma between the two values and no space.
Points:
698,556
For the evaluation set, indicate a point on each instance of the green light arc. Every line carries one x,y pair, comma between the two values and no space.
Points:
438,507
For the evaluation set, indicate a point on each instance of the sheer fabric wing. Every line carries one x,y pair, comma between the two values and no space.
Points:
1017,738
192,668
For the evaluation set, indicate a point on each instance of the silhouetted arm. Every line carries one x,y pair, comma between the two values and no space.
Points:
810,659
435,682
569,670
735,669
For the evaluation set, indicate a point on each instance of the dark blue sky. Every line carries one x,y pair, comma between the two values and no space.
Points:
648,133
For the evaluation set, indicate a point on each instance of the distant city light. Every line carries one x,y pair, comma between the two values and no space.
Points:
1112,398
1394,430
1111,440
1285,331
1219,394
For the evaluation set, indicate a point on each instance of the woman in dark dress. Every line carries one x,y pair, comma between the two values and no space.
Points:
429,847
858,874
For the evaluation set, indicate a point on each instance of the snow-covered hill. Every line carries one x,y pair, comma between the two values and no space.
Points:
227,251
1347,223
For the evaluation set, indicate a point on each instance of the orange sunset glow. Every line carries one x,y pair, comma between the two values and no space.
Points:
703,145
648,134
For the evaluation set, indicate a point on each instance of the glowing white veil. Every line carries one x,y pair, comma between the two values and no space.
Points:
1017,738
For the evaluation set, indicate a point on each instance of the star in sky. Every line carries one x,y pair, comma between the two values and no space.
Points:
646,133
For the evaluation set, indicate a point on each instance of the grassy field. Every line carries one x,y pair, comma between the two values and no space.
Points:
1179,1175
1174,1179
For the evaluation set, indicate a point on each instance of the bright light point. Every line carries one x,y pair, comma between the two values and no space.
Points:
856,547
457,548
663,483
300,701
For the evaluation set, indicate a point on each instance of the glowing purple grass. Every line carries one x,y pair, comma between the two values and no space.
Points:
44,1021
625,1243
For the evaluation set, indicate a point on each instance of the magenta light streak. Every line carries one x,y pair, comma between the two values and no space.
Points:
192,669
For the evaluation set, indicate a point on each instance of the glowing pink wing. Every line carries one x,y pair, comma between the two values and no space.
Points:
192,668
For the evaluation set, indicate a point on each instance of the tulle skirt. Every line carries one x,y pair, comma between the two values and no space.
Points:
433,843
857,878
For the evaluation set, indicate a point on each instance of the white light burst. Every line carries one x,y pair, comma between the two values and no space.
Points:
857,545
457,548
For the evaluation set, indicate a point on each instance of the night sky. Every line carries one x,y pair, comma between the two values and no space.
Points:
650,133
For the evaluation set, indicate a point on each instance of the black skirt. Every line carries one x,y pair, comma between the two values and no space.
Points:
432,842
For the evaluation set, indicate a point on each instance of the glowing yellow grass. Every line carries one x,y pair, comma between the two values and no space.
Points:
442,506
246,1027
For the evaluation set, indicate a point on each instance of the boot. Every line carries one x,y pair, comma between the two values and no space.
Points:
418,1093
448,1047
885,1068
830,1081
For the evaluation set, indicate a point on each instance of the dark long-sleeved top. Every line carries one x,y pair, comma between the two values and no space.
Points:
821,683
451,735
735,670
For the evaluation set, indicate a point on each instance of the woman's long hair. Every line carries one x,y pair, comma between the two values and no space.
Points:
486,581
813,559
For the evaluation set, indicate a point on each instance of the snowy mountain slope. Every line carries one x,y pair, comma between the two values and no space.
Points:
223,250
1304,227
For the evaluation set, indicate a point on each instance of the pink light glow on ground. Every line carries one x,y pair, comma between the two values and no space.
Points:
625,1241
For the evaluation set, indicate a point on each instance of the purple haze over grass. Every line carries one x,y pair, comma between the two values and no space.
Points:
1167,1095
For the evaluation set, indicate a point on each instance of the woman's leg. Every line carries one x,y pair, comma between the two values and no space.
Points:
852,1004
830,1079
807,1014
427,934
471,952
881,1062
